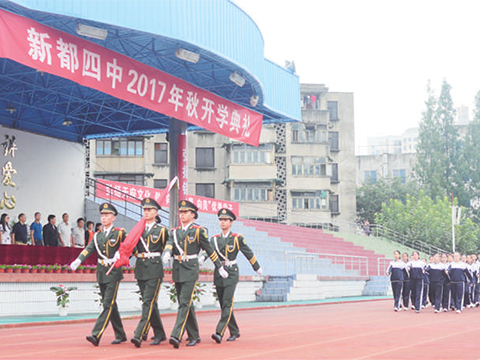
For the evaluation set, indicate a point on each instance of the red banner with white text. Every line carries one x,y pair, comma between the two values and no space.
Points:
117,190
46,49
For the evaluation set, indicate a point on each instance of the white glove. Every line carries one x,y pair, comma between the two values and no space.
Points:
201,260
74,265
116,256
223,273
166,258
260,271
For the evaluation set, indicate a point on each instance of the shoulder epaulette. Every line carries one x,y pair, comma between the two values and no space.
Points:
178,227
196,226
237,235
119,229
216,235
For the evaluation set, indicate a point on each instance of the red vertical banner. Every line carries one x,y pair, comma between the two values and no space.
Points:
182,167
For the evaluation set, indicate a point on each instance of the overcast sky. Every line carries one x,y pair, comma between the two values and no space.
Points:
382,51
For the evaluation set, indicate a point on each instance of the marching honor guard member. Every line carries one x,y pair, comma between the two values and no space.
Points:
227,245
106,243
185,242
149,273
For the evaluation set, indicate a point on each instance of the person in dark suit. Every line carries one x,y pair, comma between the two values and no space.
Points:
149,273
184,243
50,231
227,245
106,243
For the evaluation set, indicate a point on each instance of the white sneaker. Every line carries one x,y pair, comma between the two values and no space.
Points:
459,311
445,310
405,309
395,309
413,307
437,311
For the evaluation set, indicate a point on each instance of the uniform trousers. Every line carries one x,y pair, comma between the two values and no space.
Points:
417,292
426,288
447,296
109,313
186,319
406,293
149,290
397,287
436,294
227,319
457,289
476,292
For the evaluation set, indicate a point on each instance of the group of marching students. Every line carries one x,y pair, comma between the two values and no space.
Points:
447,282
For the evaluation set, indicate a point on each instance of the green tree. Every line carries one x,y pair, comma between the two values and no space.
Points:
371,196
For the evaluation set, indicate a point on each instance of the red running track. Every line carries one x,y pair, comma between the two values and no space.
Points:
362,330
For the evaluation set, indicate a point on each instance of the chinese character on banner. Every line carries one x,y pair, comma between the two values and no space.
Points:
222,113
68,55
235,121
176,96
9,145
192,103
185,188
115,72
39,49
208,110
246,126
91,65
7,172
7,201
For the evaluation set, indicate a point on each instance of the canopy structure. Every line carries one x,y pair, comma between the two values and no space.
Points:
150,32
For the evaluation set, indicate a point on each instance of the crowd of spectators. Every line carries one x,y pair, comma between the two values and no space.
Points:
49,234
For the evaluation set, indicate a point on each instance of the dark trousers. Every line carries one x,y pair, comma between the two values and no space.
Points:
110,312
406,293
150,314
38,242
436,294
477,293
397,287
466,294
186,319
417,292
227,319
457,288
447,296
426,288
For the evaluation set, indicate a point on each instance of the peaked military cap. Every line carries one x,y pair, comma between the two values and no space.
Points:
226,214
149,203
185,205
107,208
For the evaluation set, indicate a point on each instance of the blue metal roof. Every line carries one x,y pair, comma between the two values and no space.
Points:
226,38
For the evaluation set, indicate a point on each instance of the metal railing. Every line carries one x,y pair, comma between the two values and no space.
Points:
306,263
382,266
381,231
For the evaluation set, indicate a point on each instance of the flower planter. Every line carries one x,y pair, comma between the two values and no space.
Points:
62,311
64,271
17,271
41,271
9,271
86,271
25,271
2,270
131,271
57,271
33,271
49,271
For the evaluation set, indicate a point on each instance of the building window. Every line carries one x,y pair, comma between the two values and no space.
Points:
253,192
333,140
314,200
133,179
332,107
247,154
205,190
119,147
205,157
400,174
302,135
309,166
334,172
334,207
160,183
161,153
370,177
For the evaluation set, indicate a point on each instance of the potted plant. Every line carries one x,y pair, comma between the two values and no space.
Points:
42,269
2,268
86,269
57,269
26,269
64,269
34,269
17,268
131,269
49,269
9,269
80,269
172,294
62,294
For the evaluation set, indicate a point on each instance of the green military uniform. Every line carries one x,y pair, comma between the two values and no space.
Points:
189,243
227,249
149,274
106,245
